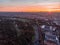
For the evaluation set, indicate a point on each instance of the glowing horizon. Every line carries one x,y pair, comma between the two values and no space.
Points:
30,6
30,9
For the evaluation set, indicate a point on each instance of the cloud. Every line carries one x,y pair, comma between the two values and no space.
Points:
26,2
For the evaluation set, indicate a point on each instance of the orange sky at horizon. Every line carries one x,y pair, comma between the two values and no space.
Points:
37,8
29,5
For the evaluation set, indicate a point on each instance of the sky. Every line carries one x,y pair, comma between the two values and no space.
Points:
30,5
